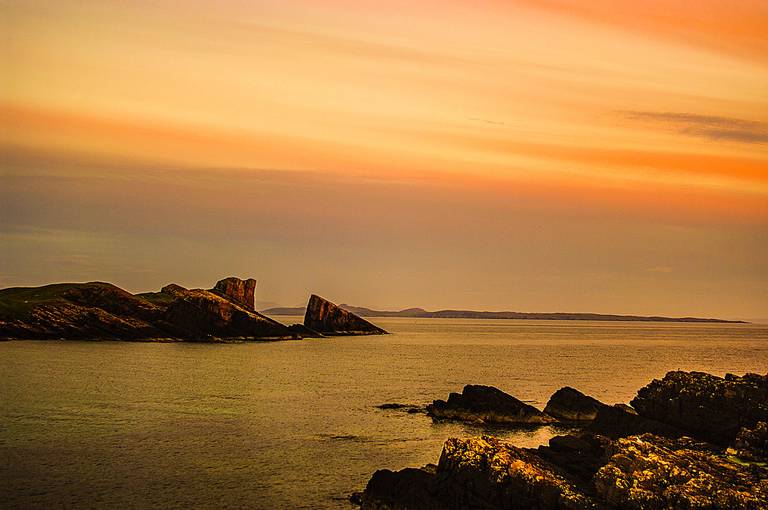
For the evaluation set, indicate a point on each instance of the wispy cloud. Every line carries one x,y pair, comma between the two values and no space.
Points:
707,126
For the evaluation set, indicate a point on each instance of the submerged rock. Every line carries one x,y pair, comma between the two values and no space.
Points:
569,404
486,404
329,319
708,407
241,292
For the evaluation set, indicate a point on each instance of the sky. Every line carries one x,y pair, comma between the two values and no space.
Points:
556,155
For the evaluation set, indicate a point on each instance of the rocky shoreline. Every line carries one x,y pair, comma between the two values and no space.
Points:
688,441
102,311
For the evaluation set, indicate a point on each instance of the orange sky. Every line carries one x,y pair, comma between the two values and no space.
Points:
564,114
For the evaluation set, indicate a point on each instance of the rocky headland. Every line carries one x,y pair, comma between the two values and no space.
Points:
689,441
98,310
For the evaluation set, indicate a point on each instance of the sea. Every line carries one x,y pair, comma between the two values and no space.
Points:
295,424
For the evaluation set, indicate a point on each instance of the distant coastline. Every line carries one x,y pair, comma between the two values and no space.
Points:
471,314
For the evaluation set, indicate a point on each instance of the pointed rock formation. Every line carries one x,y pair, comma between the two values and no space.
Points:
241,292
329,319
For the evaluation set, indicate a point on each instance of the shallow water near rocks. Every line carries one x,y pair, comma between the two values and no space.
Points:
295,424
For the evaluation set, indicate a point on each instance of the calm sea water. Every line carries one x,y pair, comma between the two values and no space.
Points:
294,424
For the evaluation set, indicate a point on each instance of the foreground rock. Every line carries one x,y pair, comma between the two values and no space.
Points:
644,472
103,311
329,319
569,404
486,404
705,406
632,469
649,472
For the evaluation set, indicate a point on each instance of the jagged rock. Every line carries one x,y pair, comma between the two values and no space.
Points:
708,407
241,292
486,404
408,408
203,314
569,404
621,421
327,318
652,473
751,444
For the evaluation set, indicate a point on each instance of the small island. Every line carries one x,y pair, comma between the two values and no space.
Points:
102,311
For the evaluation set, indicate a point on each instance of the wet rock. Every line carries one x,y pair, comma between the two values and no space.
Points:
240,292
569,404
707,407
652,473
408,408
329,319
751,443
486,404
621,421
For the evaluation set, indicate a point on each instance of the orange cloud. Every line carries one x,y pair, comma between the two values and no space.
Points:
737,28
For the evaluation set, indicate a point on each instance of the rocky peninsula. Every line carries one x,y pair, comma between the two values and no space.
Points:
688,441
102,311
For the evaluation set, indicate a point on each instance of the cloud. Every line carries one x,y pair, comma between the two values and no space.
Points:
707,126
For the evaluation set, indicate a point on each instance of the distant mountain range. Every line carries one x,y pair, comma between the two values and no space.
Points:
471,314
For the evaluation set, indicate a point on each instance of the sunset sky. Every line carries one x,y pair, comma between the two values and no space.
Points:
556,155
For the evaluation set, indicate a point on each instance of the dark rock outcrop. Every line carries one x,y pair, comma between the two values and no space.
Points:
478,473
751,444
621,421
486,404
203,315
635,470
645,472
705,406
241,292
103,311
409,488
569,404
329,319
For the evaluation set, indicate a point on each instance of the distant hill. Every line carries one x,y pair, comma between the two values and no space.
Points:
471,314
